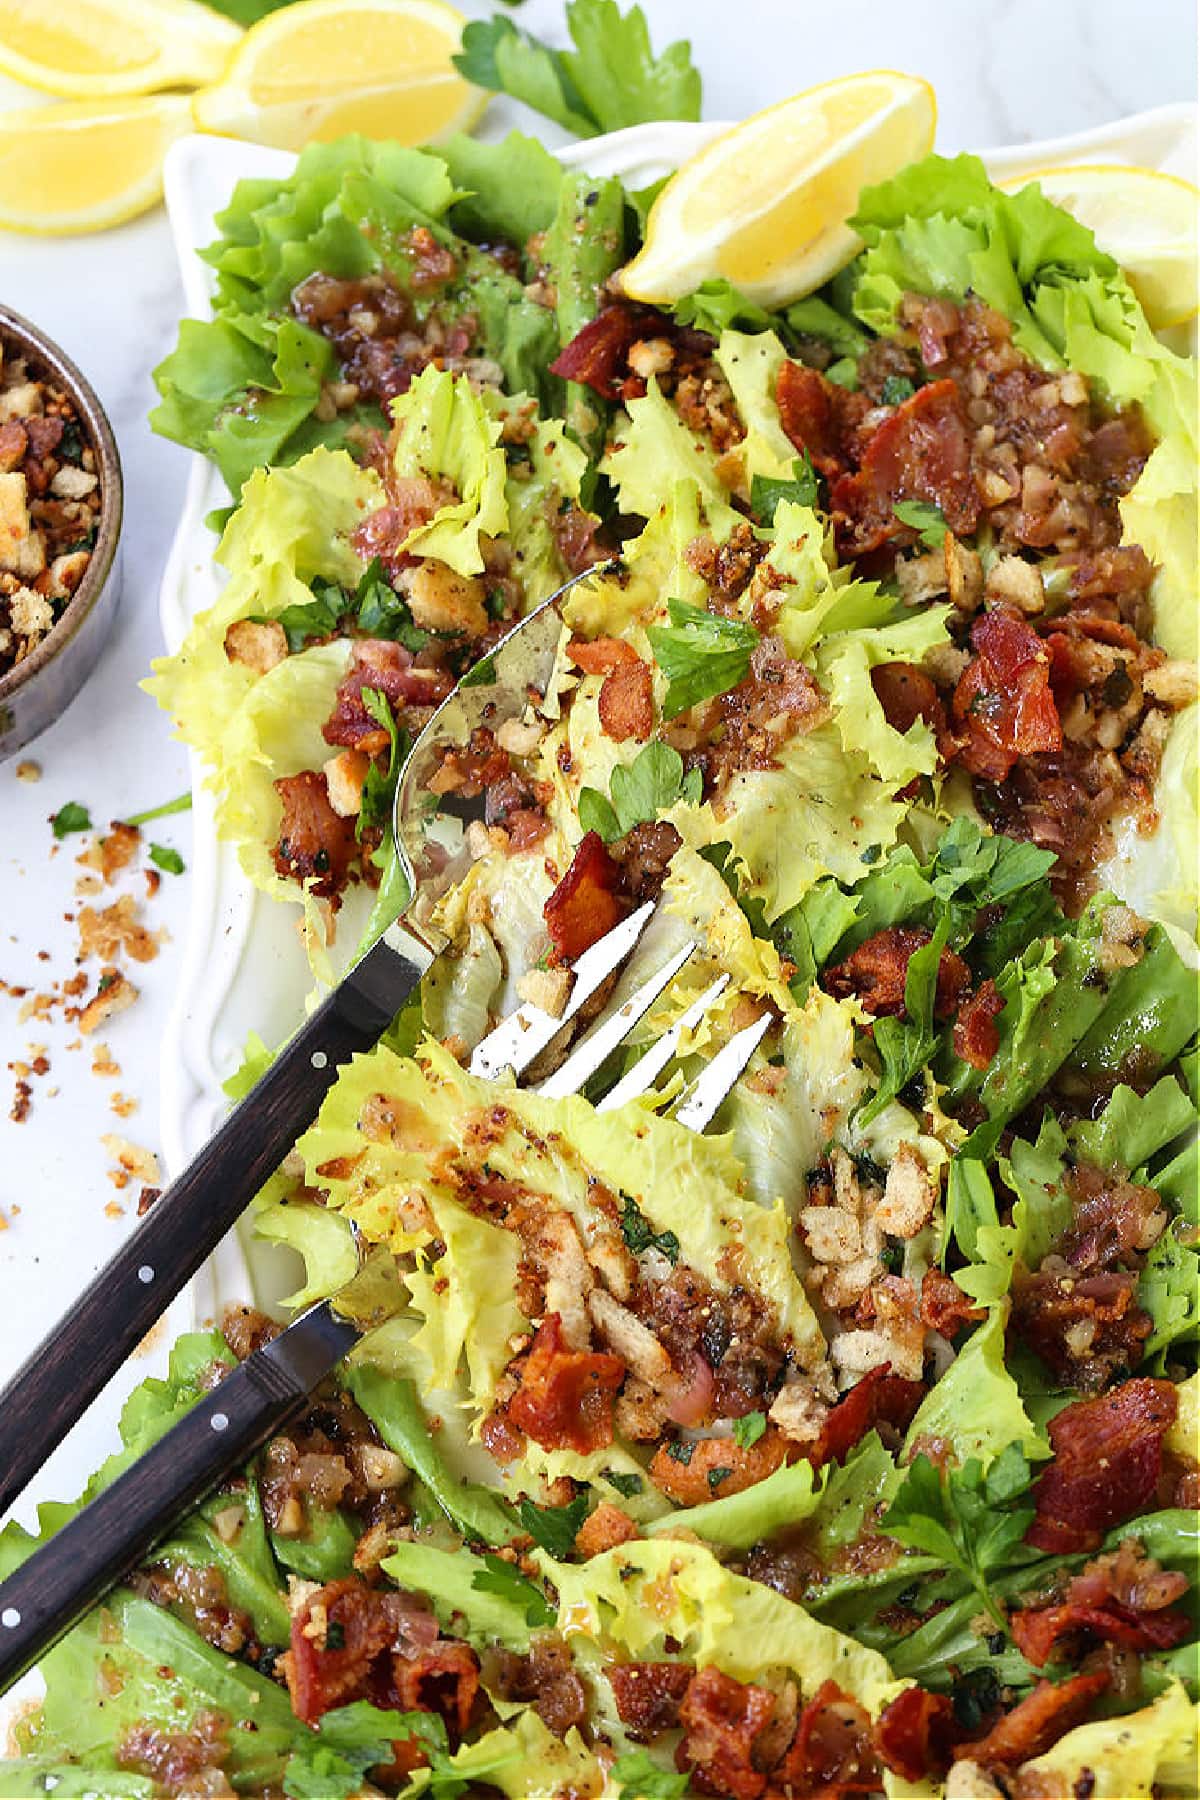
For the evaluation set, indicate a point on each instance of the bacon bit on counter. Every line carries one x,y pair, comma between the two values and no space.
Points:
1107,1460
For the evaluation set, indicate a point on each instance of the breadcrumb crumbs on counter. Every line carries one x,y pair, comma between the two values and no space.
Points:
28,770
134,1162
103,1063
124,1105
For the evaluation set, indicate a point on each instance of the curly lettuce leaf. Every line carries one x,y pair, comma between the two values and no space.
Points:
655,451
507,190
444,431
1152,1750
976,1406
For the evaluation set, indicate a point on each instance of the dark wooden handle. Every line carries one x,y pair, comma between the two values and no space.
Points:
52,1590
113,1314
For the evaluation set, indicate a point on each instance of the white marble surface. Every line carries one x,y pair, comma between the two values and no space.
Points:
1006,71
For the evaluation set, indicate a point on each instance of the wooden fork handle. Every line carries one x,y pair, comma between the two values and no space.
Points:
110,1318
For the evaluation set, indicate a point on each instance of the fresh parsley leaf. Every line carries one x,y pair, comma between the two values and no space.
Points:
715,1477
651,784
929,522
966,1519
615,70
383,613
163,857
319,617
181,803
69,818
352,1739
802,488
500,1577
627,1485
896,389
748,1429
609,80
681,1450
379,788
700,653
554,1527
640,1235
497,56
639,1777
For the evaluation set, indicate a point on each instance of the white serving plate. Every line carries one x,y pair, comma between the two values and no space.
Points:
243,967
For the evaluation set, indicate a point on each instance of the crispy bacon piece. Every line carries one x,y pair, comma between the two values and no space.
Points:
920,452
879,1398
715,1468
976,1034
944,1306
906,694
648,1696
1036,1722
1083,1327
1125,1598
876,972
565,1400
913,1734
721,1718
596,356
587,901
314,844
626,703
1107,1460
819,417
831,1752
375,663
1003,701
351,1642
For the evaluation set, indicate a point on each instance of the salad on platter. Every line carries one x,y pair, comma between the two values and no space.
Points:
852,1447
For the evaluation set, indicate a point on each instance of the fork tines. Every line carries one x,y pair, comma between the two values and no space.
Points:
518,1040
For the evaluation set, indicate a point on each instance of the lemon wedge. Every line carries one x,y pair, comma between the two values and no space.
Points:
85,164
99,49
323,67
765,205
1144,220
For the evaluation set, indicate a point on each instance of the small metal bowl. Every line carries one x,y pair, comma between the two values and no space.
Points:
44,683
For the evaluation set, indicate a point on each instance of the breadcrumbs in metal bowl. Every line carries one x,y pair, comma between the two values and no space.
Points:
60,521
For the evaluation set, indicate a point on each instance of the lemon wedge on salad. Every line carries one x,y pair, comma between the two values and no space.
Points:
1144,220
86,164
323,67
765,205
99,49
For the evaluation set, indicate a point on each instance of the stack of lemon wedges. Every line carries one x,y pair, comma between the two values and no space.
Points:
118,67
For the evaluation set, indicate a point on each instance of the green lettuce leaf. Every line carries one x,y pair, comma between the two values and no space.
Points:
445,432
656,451
508,190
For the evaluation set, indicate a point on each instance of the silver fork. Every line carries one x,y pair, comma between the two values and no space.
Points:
56,1586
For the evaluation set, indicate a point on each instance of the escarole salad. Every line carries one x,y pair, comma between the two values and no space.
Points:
851,1447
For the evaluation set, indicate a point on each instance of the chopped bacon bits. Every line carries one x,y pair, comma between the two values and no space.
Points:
976,1034
913,1734
391,669
875,974
1003,701
1107,1461
819,416
1125,1598
1036,1722
626,703
831,1752
944,1306
587,901
921,451
879,1398
597,356
314,843
721,1718
565,1400
907,695
648,1696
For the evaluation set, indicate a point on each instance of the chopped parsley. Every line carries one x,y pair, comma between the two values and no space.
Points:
500,1577
748,1429
554,1527
715,1477
69,818
165,858
627,1485
896,389
681,1451
802,488
640,1235
929,522
652,783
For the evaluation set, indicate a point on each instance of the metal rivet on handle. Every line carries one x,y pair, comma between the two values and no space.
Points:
318,1059
145,1274
10,1618
219,1421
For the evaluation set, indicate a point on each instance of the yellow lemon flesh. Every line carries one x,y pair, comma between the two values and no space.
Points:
1144,220
99,49
765,205
87,164
323,67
